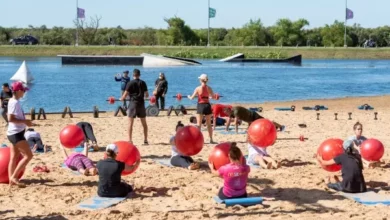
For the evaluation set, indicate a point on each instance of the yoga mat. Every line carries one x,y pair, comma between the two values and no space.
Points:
231,132
368,198
242,201
314,108
80,149
96,202
72,171
362,107
164,162
283,109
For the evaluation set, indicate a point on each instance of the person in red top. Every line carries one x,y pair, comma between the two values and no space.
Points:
218,111
204,92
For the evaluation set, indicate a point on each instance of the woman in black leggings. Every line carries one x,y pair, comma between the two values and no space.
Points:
179,160
88,134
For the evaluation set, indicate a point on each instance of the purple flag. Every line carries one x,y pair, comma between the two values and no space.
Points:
80,13
349,14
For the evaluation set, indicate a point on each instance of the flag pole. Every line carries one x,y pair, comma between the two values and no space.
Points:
77,25
208,29
345,24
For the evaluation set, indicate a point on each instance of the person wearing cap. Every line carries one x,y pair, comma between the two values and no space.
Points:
17,124
240,113
356,140
124,79
137,90
80,162
351,171
109,169
161,89
204,92
5,95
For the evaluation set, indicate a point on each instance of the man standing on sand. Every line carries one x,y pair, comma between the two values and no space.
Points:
137,90
5,95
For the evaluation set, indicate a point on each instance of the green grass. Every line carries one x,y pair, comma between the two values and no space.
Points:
201,52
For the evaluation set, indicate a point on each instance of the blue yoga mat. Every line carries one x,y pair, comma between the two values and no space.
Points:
232,132
362,107
80,149
368,198
250,164
243,201
314,108
164,162
72,171
97,202
283,109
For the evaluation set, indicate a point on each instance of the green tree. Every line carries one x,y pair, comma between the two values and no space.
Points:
179,33
288,33
333,35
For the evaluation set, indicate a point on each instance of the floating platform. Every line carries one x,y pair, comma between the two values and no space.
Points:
240,58
143,60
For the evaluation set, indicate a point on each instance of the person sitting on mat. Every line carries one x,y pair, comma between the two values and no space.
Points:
179,160
240,113
218,112
234,174
259,156
110,184
356,140
35,141
80,162
88,134
351,171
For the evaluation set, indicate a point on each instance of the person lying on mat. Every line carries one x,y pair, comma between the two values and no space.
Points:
80,162
259,156
35,141
88,134
240,113
356,140
351,171
219,113
217,122
179,160
110,183
234,174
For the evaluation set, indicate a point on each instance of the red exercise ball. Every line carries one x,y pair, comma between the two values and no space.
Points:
152,100
128,154
262,133
330,149
189,140
372,150
5,154
219,156
71,136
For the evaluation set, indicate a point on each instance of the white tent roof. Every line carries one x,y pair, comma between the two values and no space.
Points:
23,74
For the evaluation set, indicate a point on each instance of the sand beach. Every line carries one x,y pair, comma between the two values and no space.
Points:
173,193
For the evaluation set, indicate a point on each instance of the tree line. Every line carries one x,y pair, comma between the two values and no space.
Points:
284,33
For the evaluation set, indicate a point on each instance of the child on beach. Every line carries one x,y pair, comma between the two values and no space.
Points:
179,160
356,140
351,171
259,155
80,162
35,141
234,174
110,184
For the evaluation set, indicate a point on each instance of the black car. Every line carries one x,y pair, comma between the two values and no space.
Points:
24,40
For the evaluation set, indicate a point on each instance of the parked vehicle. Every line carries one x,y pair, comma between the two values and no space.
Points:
28,39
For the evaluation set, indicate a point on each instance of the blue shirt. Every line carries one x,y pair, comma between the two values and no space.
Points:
123,80
354,139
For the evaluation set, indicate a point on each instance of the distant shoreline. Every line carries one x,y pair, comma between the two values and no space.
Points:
198,52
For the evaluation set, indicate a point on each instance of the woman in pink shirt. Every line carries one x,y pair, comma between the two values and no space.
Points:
234,174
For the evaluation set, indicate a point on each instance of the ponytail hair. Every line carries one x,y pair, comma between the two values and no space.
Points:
235,152
179,125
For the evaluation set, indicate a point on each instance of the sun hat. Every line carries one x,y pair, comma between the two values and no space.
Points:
203,76
18,86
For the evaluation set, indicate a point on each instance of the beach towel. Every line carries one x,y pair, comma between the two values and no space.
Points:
369,198
96,202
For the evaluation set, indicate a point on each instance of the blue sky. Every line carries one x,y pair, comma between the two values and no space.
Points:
230,13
